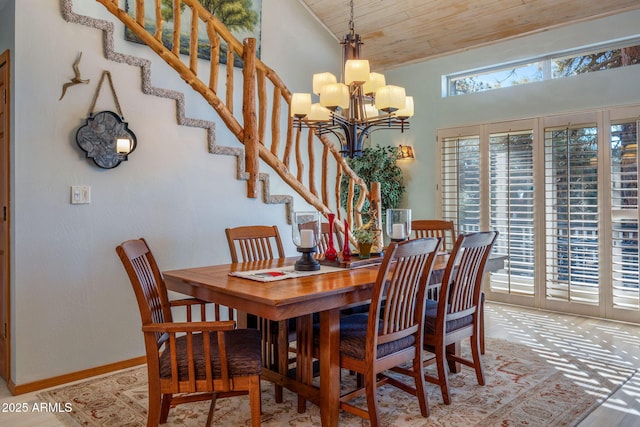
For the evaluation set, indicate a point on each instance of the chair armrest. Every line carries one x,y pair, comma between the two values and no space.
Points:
187,302
177,327
204,310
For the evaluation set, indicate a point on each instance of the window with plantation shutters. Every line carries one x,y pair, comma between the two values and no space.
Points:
460,182
572,214
562,191
512,210
624,214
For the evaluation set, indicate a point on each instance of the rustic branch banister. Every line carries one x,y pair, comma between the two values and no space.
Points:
251,154
253,133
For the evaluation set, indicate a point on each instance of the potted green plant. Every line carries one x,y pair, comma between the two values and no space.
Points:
365,236
376,164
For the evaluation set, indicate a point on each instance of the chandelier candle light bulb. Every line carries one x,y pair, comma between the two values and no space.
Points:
322,79
390,98
370,111
300,104
376,81
407,111
319,113
356,71
334,95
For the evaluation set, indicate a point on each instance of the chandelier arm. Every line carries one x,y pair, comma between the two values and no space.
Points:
351,134
393,127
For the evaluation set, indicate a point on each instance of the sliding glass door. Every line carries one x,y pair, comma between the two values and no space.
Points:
623,151
572,213
511,209
461,182
563,193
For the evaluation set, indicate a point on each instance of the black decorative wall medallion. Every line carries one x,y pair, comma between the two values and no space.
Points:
98,138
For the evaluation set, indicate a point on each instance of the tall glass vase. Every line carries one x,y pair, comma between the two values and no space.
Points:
346,251
331,254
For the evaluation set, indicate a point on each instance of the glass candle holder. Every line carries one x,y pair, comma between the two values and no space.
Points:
398,224
305,235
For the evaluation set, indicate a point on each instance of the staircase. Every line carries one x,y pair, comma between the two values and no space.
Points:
261,137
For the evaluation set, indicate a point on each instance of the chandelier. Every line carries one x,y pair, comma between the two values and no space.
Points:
352,109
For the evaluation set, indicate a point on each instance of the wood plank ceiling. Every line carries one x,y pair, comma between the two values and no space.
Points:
400,32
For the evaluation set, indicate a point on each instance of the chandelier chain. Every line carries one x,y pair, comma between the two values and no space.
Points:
351,24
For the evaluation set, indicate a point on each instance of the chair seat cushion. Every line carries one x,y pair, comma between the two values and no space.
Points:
244,356
431,313
353,337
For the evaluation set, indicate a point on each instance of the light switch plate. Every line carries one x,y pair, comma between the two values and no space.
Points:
80,194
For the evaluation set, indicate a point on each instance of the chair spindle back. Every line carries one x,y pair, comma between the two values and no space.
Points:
435,228
462,281
147,282
254,243
403,283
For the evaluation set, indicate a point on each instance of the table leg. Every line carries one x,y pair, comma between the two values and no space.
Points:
304,355
281,355
241,320
330,367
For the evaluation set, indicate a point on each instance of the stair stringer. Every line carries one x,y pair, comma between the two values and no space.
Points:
147,88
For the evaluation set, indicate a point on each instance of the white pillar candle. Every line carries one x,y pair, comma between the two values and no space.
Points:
397,231
123,146
306,239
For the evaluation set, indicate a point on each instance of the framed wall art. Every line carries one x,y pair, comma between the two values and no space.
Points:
241,17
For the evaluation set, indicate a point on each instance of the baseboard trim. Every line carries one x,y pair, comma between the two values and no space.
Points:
74,376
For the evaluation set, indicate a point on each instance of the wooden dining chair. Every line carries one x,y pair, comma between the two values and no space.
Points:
254,243
258,243
446,230
456,314
435,228
390,334
194,359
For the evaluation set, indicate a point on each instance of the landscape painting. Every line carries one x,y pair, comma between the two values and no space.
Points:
241,17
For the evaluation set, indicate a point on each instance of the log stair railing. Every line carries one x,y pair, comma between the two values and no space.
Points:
257,80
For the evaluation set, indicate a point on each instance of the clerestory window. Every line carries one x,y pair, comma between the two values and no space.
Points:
554,66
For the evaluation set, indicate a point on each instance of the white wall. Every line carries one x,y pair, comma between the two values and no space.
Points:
74,308
424,82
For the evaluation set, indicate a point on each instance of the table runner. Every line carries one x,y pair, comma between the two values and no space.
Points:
281,273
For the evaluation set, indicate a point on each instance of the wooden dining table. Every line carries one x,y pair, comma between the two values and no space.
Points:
295,298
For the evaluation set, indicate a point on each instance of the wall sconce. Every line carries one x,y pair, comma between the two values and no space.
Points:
106,139
405,152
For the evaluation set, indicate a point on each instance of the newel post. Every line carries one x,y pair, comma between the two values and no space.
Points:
375,202
251,149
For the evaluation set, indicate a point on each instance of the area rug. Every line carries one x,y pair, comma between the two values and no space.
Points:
525,386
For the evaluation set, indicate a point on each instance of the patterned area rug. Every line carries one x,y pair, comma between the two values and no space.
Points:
525,386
